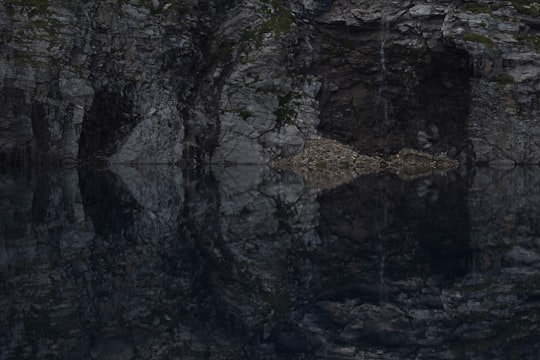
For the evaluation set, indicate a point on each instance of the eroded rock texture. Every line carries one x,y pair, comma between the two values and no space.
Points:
141,81
247,81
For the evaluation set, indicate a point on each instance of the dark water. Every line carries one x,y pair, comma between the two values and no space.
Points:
246,263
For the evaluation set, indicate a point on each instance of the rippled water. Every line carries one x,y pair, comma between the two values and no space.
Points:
247,263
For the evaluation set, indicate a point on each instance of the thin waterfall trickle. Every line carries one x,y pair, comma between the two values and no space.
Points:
385,33
382,104
382,259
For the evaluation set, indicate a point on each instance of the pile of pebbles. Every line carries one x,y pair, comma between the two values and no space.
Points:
326,163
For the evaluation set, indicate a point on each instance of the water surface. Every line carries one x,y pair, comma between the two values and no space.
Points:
246,263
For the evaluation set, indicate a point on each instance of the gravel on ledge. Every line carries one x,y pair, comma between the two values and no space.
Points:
326,163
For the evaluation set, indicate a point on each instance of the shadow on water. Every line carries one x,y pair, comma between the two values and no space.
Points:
417,228
246,263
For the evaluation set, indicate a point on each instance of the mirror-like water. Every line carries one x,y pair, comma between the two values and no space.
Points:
247,263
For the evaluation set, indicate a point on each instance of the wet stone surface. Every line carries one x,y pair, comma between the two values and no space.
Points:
247,263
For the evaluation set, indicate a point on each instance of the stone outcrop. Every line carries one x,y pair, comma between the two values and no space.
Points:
96,79
459,78
247,81
140,81
502,41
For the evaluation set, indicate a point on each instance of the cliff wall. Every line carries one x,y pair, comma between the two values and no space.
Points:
140,81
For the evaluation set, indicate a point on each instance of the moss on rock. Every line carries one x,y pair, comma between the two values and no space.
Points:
479,38
278,22
527,7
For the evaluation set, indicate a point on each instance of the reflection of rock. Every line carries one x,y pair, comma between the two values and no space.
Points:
399,279
152,275
246,263
503,281
157,189
263,217
45,240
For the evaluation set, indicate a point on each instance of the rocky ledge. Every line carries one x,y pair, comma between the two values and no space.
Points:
326,163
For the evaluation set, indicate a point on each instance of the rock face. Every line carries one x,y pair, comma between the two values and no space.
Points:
248,81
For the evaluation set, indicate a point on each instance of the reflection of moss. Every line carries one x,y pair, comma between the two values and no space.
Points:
479,39
458,349
5,37
504,79
527,7
245,114
344,165
23,58
279,302
284,215
520,323
10,10
476,287
245,211
37,324
532,282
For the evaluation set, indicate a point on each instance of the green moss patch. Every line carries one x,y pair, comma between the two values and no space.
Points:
478,38
280,20
527,7
245,114
285,114
504,79
279,23
480,7
531,40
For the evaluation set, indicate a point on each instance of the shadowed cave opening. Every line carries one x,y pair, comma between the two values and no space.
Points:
423,103
108,121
